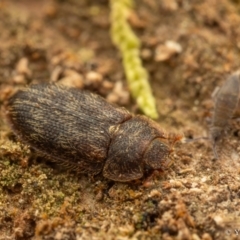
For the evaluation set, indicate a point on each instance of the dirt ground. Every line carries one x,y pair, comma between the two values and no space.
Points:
68,41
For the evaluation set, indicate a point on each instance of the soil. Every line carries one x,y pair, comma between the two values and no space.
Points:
69,41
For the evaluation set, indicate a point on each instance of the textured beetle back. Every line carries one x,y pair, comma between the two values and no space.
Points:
68,125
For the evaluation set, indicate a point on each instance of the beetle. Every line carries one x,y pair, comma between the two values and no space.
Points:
226,107
83,132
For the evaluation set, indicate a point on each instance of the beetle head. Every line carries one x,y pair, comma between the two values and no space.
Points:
158,151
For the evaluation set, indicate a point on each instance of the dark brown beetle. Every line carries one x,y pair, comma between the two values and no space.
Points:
227,106
81,131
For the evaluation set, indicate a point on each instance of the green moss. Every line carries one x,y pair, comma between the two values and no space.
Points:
10,174
129,46
38,189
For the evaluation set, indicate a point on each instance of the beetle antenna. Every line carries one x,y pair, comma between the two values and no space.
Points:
188,140
173,138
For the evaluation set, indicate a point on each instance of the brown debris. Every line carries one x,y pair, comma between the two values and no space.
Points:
165,51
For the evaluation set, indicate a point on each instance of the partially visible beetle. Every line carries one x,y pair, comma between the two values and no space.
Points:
81,131
226,107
